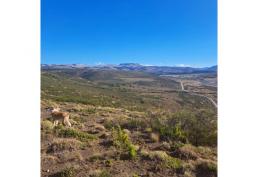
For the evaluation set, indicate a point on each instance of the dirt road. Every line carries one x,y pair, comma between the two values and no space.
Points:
210,99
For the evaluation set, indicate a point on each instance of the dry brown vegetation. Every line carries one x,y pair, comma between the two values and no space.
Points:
135,150
139,134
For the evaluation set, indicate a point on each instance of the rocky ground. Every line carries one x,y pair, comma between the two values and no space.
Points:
105,141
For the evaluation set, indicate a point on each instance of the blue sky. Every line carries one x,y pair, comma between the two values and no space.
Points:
151,32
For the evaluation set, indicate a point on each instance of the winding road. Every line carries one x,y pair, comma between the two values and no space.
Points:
182,86
210,99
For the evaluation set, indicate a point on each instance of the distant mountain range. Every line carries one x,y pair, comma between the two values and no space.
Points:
160,70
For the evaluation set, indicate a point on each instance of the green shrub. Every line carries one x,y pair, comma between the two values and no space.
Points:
198,128
168,132
166,160
68,172
64,144
90,110
176,145
73,133
96,157
173,163
120,138
108,124
103,173
206,167
122,141
148,130
47,125
132,151
108,162
135,124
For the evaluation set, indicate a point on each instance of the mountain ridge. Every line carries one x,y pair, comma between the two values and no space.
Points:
160,70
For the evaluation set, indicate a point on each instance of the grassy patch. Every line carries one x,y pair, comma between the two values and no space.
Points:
46,125
169,132
92,110
65,144
199,127
96,157
206,167
135,124
166,160
67,172
73,133
100,173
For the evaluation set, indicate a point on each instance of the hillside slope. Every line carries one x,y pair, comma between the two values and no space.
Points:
127,123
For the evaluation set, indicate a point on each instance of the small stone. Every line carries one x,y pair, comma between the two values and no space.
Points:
104,135
99,127
127,131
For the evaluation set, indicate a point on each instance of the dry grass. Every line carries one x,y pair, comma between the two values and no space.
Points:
154,137
69,145
206,167
61,144
166,160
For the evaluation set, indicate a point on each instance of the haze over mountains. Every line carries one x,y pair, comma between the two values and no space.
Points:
160,70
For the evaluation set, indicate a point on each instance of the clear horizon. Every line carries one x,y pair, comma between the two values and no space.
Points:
103,64
150,32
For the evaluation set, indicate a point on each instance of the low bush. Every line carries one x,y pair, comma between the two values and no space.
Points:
73,133
198,128
67,172
167,161
148,130
65,145
135,124
186,152
121,140
46,125
206,168
168,132
104,173
101,173
108,124
92,110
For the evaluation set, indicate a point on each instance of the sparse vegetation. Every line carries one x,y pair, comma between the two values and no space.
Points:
47,125
166,160
90,110
73,133
100,173
206,167
96,157
67,172
65,144
122,116
199,128
169,132
135,124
